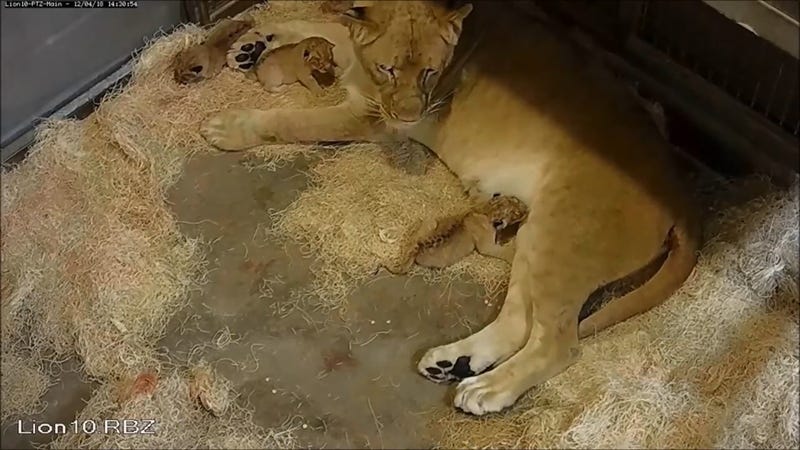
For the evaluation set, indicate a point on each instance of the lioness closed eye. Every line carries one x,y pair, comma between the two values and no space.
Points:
514,111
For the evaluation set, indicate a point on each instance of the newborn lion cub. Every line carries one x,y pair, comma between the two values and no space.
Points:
205,60
309,61
489,228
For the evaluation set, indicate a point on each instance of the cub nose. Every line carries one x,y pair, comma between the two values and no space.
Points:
409,109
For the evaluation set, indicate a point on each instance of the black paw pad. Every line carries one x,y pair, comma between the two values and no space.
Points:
449,371
461,369
249,54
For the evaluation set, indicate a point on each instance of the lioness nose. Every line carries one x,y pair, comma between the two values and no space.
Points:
409,109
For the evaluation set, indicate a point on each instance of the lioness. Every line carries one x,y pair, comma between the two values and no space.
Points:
522,114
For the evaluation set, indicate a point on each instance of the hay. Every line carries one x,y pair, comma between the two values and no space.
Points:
93,261
23,386
181,421
713,367
352,218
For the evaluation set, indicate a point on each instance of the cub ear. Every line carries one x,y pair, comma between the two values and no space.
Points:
451,23
362,30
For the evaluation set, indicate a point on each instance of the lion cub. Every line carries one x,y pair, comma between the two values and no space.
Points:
309,62
489,228
205,60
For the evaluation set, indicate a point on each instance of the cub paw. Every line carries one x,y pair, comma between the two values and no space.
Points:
245,52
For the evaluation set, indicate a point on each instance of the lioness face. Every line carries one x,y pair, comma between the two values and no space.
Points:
404,46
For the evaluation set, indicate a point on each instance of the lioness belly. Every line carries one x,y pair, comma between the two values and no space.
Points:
502,142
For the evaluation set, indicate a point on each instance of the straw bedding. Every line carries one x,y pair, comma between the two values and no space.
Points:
93,262
94,265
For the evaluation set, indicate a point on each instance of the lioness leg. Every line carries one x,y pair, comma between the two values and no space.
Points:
480,351
551,281
238,129
491,345
552,346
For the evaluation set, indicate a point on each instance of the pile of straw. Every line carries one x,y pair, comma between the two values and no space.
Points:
93,261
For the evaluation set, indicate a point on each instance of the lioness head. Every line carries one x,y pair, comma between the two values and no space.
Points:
404,46
318,54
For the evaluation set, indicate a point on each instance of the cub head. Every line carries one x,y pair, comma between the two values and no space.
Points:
193,65
203,61
318,54
404,46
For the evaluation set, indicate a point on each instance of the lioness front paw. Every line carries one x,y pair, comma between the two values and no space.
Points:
483,394
235,129
245,52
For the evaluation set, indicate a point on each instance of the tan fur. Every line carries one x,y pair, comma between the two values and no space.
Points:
525,115
296,63
335,6
205,60
445,241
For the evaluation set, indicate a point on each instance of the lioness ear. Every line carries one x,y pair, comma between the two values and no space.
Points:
451,23
362,30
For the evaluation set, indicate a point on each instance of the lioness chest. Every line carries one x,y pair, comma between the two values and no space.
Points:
492,140
534,118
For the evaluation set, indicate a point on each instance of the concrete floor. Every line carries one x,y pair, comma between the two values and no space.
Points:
351,379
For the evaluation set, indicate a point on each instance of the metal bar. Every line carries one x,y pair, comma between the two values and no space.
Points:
744,131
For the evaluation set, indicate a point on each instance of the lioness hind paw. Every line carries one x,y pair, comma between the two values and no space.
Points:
445,371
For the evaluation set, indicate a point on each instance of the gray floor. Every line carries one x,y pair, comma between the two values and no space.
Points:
351,381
